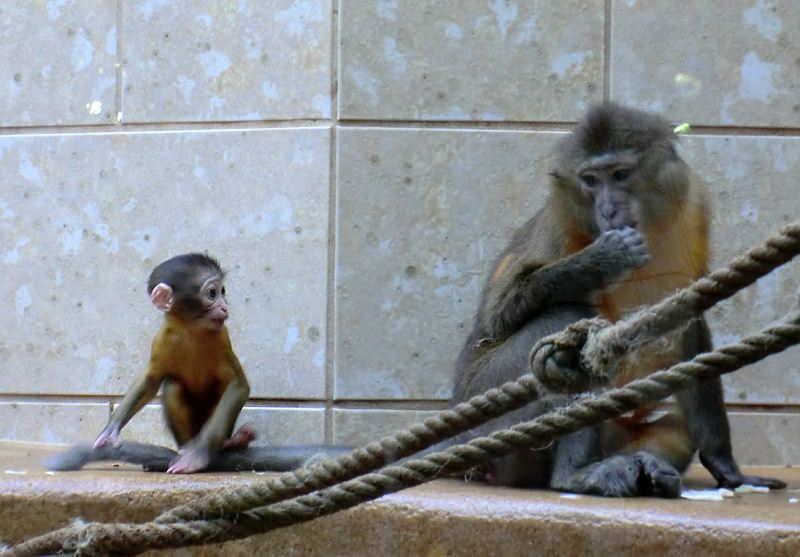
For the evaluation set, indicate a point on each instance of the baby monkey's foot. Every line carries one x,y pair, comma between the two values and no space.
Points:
241,438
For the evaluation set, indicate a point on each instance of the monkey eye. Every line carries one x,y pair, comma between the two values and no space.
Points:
590,180
621,174
223,291
212,293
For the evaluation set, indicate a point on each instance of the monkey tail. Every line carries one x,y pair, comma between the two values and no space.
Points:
155,458
272,459
152,457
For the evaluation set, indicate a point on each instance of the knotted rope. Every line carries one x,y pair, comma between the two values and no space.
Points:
245,510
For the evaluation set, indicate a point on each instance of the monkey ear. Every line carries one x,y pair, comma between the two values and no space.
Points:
162,296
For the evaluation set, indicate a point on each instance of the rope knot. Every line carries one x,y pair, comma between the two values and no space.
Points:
557,361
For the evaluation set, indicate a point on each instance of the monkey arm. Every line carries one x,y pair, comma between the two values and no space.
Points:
141,392
511,303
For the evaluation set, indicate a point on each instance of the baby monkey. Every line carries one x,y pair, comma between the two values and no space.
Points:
203,385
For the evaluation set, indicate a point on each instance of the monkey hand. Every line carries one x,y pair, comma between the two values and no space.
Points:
192,458
562,372
557,367
109,436
623,249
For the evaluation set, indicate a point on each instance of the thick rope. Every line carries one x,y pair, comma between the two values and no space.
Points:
721,284
100,539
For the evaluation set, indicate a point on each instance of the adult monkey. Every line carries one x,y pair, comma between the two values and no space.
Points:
625,225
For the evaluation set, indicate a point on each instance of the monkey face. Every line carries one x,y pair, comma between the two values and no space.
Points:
608,184
619,168
212,298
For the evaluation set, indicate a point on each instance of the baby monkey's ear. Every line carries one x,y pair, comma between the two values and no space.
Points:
162,296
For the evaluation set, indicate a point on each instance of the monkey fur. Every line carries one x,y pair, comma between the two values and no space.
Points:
625,225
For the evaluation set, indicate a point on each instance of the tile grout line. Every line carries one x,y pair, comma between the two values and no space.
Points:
117,117
330,345
607,51
421,125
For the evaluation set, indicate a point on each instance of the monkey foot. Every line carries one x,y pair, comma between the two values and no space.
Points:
728,475
758,481
657,478
639,474
241,438
190,462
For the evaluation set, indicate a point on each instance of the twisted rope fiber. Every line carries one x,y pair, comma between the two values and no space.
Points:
101,539
721,284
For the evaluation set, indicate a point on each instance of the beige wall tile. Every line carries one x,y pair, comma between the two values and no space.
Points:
84,219
233,60
753,194
359,427
765,439
448,60
57,63
51,422
421,216
711,63
275,426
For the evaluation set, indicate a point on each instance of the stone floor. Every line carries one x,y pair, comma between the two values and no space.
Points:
443,518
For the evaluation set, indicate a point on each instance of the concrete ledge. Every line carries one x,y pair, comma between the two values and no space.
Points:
444,518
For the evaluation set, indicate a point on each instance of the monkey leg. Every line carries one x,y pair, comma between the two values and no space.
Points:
506,362
666,437
178,413
707,419
648,459
509,360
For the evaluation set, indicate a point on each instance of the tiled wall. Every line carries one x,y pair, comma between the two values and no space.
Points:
356,165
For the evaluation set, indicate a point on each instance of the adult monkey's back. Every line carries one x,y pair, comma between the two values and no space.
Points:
625,225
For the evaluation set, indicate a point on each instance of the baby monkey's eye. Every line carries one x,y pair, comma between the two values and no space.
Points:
212,293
